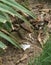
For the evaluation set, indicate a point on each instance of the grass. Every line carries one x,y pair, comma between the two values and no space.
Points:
11,7
45,56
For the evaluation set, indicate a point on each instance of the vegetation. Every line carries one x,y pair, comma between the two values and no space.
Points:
45,56
11,7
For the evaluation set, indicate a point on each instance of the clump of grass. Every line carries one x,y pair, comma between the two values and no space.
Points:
10,7
45,57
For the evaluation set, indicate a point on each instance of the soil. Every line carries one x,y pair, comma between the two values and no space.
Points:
14,56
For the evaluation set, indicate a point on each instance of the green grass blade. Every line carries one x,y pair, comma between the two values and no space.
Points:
11,11
7,26
7,9
2,19
13,3
9,39
2,45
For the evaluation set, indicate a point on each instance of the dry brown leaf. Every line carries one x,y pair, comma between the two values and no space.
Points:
23,58
46,10
45,38
0,61
40,40
26,27
39,6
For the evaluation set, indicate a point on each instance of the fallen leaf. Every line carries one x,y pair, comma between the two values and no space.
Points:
22,59
26,27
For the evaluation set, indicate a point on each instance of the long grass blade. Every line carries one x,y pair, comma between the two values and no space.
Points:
2,45
13,3
9,39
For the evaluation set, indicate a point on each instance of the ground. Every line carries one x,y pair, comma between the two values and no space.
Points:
14,56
